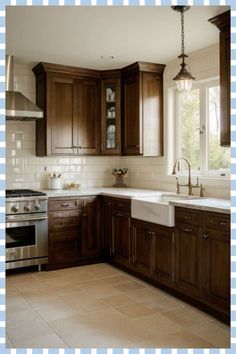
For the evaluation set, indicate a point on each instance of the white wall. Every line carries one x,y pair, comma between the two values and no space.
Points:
25,170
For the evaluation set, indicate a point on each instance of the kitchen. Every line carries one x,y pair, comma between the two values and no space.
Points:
110,239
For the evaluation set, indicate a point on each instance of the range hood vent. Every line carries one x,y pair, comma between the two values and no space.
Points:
18,107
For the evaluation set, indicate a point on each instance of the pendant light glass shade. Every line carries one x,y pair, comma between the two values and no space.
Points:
184,78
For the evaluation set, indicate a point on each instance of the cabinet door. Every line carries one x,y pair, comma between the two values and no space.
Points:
87,101
141,245
110,119
225,86
216,244
91,227
131,118
163,260
61,118
107,227
188,265
65,236
121,238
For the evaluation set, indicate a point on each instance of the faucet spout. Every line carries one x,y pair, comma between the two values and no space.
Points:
189,185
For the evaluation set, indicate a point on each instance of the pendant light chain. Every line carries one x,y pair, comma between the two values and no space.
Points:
182,31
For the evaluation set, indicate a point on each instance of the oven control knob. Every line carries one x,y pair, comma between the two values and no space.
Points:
27,207
37,206
15,209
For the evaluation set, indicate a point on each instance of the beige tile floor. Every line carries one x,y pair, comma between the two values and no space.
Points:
101,306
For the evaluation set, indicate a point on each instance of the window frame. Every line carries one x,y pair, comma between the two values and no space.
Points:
204,171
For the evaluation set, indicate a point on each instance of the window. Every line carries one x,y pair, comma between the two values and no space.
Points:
198,130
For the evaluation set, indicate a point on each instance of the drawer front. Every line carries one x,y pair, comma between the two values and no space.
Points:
122,205
187,216
65,204
217,221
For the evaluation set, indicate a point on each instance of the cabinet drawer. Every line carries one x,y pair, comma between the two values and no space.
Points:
187,216
64,204
217,221
122,205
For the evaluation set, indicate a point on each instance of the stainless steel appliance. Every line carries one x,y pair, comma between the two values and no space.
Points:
26,228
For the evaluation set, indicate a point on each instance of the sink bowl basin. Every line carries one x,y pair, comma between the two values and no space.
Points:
157,209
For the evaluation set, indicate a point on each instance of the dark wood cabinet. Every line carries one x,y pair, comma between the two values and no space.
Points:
110,113
163,260
142,246
202,241
142,109
216,246
188,252
74,231
91,226
70,99
107,229
121,246
65,236
222,22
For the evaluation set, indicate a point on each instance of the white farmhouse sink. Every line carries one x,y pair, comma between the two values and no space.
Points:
157,209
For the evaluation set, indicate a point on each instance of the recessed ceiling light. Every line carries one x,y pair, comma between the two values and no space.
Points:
107,57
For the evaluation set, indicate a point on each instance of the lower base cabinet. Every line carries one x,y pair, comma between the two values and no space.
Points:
74,231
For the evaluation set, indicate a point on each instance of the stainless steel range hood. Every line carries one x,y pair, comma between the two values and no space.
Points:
18,107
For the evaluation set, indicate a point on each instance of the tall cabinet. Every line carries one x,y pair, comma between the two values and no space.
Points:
222,22
70,99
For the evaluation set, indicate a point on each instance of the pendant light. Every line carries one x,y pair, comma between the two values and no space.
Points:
184,78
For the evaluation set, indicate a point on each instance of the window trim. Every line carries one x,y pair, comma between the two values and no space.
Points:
204,138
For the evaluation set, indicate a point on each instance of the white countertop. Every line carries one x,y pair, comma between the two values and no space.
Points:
209,204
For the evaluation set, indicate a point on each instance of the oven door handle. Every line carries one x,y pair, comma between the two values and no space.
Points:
27,220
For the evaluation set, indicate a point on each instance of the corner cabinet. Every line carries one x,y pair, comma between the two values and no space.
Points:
222,22
70,99
142,109
110,113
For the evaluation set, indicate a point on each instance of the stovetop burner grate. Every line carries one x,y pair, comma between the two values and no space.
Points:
10,193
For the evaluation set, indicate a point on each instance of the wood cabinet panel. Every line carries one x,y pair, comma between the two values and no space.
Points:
142,242
107,205
91,226
62,115
88,116
121,238
216,245
132,144
188,272
222,22
163,260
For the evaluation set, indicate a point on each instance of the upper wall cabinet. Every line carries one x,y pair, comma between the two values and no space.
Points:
70,99
222,22
110,113
142,109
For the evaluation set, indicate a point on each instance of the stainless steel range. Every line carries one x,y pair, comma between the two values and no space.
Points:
26,228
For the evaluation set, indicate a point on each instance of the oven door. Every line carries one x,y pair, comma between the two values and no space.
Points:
26,239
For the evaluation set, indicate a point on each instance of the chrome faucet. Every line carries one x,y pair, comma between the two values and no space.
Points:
189,184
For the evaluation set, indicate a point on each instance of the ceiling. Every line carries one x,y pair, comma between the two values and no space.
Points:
79,36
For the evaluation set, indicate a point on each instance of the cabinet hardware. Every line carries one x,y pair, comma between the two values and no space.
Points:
110,251
205,235
153,233
79,147
65,204
222,223
149,233
109,203
186,229
85,214
133,258
187,217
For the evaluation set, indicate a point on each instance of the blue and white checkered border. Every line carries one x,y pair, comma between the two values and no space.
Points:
3,4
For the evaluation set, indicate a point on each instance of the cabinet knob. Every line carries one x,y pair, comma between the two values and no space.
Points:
79,147
187,217
85,214
222,223
188,229
205,235
65,204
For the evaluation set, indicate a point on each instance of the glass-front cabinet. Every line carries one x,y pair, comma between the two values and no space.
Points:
111,116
